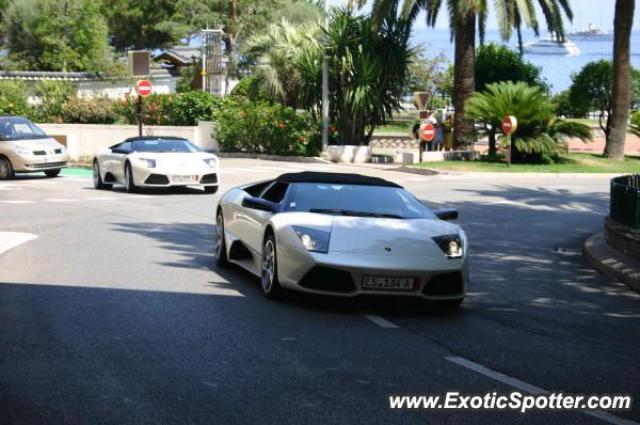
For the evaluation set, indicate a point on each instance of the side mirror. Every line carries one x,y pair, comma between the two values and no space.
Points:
446,214
259,204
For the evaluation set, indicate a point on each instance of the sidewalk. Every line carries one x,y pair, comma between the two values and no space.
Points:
612,263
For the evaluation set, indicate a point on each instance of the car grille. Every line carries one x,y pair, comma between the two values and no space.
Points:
445,284
328,279
49,165
157,179
209,178
39,153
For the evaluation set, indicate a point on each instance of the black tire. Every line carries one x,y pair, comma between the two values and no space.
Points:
52,173
97,178
449,305
6,169
130,186
220,248
211,189
269,281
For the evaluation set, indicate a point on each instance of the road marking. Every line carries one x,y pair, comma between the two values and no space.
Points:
17,201
10,240
59,200
380,321
532,389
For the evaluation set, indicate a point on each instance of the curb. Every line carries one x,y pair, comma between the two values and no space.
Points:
611,263
493,175
266,157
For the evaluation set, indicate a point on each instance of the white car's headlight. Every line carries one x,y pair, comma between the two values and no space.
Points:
211,162
451,245
313,239
150,163
23,151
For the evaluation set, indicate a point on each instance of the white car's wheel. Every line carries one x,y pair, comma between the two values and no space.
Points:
6,169
97,178
269,277
130,186
220,247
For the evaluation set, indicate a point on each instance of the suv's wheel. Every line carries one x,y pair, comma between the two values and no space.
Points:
52,173
220,247
6,169
269,276
97,178
130,186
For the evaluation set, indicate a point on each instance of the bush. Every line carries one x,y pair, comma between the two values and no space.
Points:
266,128
89,111
54,96
13,98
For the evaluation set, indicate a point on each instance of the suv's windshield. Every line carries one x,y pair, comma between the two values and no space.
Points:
356,200
164,146
18,128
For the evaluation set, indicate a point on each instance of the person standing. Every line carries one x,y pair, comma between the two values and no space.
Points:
438,141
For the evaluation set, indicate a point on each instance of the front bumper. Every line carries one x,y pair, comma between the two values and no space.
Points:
35,163
165,178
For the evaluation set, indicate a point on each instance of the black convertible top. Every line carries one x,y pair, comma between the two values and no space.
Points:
334,178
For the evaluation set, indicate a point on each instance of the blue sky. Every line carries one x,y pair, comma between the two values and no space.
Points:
599,12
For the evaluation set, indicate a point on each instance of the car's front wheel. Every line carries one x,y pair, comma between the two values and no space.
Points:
98,183
269,276
6,169
52,173
129,184
220,248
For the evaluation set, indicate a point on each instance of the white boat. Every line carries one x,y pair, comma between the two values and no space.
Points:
591,33
551,46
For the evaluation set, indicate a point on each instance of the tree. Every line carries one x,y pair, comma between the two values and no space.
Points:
540,135
298,12
464,15
429,74
189,17
623,24
52,35
592,89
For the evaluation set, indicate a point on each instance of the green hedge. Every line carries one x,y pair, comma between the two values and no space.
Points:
260,127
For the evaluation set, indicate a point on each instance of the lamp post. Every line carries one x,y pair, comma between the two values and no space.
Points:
325,85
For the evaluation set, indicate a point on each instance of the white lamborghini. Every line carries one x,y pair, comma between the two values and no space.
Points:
342,234
155,162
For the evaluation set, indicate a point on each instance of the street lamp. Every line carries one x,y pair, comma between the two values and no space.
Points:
325,85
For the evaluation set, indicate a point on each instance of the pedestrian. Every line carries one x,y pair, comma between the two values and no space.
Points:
438,141
448,132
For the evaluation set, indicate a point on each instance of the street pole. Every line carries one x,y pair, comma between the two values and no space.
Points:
139,113
325,85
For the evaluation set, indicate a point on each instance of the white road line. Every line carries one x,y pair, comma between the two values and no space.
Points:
59,200
10,240
380,321
532,389
17,201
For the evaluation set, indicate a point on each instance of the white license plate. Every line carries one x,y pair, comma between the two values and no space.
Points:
389,283
185,179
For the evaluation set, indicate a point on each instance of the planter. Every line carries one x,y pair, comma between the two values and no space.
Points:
347,153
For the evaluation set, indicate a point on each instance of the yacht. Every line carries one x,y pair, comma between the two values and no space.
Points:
591,33
551,46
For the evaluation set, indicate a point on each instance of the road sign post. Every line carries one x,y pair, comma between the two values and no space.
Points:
509,126
144,89
427,134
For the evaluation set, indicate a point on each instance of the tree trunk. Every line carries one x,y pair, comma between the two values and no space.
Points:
464,76
621,79
231,46
493,149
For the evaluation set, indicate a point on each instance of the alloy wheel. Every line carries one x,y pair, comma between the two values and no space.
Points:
268,265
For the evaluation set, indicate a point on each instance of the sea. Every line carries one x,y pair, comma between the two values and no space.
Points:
556,69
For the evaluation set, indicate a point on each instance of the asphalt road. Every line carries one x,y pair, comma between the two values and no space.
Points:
112,312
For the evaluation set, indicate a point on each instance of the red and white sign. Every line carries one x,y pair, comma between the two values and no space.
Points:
509,125
144,88
427,132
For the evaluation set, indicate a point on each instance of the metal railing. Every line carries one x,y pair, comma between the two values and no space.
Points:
625,200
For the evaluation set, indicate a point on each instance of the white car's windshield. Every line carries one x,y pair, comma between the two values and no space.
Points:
164,146
18,128
356,200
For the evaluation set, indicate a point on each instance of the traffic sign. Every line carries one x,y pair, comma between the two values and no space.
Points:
144,88
427,132
509,125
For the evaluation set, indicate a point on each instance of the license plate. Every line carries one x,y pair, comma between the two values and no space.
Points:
389,283
185,179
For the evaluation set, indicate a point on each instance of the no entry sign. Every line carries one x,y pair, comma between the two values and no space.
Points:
427,132
144,88
509,125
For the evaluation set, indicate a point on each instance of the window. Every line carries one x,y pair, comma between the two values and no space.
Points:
124,147
275,193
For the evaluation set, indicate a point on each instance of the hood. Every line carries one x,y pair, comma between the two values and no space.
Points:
38,144
387,236
176,160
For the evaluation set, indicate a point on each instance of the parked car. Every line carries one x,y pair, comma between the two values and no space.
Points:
26,148
155,162
342,234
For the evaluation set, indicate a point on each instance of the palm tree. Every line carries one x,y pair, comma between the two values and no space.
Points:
540,136
623,24
464,17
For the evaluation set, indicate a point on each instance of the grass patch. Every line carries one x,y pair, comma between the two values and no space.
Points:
396,126
575,163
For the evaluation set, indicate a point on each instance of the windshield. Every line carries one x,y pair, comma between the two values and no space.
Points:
18,128
164,146
356,200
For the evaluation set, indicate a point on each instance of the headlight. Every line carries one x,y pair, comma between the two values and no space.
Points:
313,239
150,163
211,162
451,245
23,151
